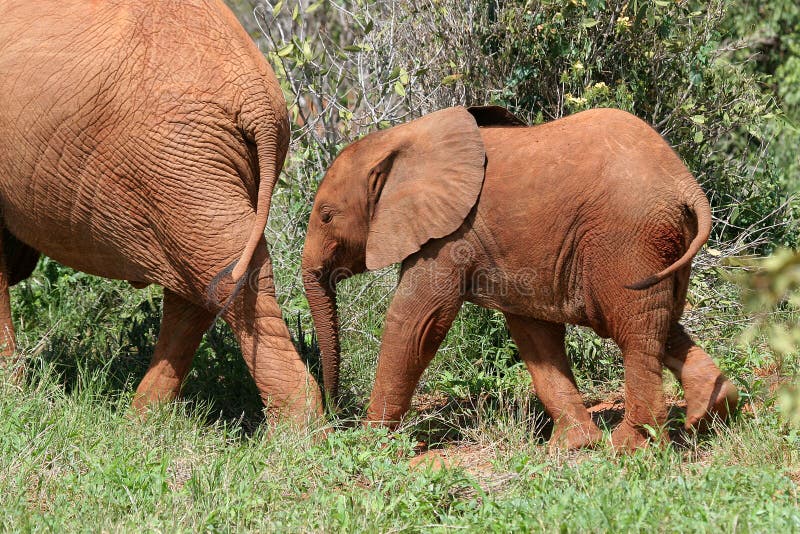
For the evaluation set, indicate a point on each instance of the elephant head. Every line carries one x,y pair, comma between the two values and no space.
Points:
384,197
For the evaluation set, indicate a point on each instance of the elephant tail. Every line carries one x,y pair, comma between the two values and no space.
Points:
269,165
698,204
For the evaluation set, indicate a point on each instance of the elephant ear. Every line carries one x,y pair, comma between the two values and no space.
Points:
426,182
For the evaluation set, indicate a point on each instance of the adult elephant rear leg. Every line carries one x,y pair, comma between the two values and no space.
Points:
182,327
541,347
709,394
640,328
286,387
8,345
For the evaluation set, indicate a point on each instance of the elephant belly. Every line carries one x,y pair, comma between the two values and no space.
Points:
525,291
86,246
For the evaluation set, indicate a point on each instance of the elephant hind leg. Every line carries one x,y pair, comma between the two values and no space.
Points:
541,347
641,326
286,387
8,345
182,327
709,394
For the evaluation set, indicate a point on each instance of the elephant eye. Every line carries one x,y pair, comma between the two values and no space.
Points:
325,216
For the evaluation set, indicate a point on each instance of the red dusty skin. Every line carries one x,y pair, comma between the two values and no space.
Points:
590,220
142,153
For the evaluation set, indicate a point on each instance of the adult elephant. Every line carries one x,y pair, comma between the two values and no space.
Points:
141,140
590,220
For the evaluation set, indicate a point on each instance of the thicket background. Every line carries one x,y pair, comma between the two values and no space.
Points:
717,79
720,80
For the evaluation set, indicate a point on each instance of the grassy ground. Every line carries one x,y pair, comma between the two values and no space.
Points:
76,460
73,458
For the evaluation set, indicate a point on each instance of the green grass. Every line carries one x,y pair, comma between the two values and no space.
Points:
77,460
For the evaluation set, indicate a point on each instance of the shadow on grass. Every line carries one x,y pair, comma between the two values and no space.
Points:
218,381
439,421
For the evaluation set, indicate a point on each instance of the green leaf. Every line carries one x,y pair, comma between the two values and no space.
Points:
286,50
698,137
277,8
589,22
399,89
313,7
453,78
698,119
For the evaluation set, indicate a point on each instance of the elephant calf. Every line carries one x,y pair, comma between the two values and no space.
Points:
590,220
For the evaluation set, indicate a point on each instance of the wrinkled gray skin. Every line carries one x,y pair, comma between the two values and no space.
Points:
140,140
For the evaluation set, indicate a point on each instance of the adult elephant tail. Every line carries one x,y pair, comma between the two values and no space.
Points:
271,144
697,202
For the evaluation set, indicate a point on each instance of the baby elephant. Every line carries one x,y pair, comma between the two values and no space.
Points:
590,220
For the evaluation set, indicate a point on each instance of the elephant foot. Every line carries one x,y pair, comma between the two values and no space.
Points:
146,399
709,395
628,437
571,436
718,403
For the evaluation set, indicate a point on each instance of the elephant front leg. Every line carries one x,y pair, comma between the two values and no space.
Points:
182,327
8,345
284,383
418,319
709,394
541,347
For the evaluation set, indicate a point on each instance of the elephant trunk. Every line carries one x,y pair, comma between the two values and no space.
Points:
321,294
